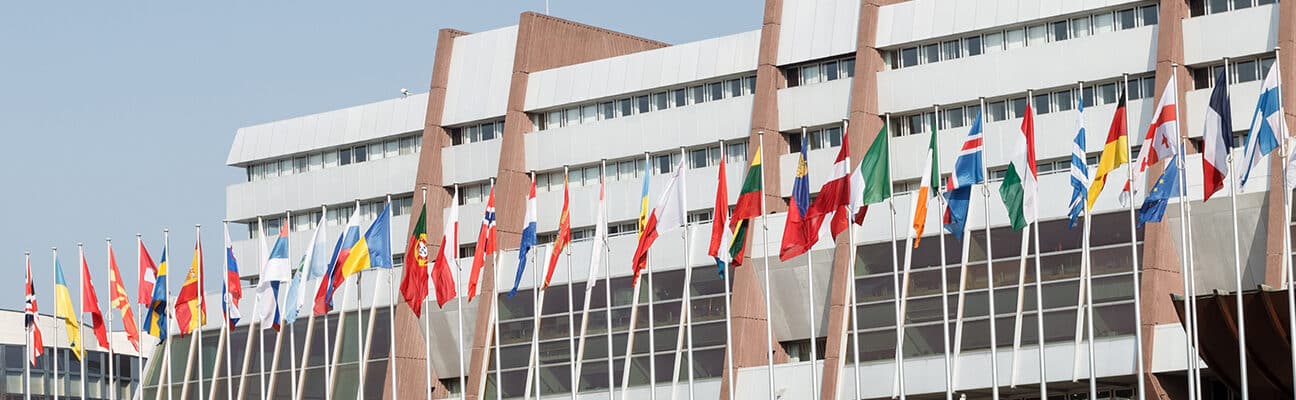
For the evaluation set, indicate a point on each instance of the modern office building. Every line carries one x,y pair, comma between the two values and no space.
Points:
567,102
48,381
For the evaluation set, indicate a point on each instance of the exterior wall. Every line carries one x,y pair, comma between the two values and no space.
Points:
334,128
916,20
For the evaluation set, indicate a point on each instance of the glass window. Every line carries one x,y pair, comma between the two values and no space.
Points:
1125,19
810,74
994,42
1018,106
1149,86
407,145
390,147
1245,71
1042,104
474,133
831,71
1265,63
625,108
574,177
698,158
679,97
331,158
1060,30
359,154
972,45
733,88
997,111
663,164
972,111
589,114
1107,93
1016,38
736,152
607,110
660,101
344,156
749,83
1062,100
793,76
1150,15
914,124
286,166
641,104
951,50
300,165
698,93
931,53
1080,27
1196,8
952,117
591,176
553,120
488,131
1103,23
571,116
316,161
1135,89
833,137
715,91
1240,4
1263,2
909,57
1036,35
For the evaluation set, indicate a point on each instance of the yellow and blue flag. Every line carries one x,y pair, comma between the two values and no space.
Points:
373,249
155,320
63,309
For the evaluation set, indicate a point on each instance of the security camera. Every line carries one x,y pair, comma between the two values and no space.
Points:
404,92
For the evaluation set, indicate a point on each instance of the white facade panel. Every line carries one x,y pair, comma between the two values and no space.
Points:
333,128
470,162
1243,97
813,29
688,62
1015,71
336,185
920,20
481,68
1210,38
813,105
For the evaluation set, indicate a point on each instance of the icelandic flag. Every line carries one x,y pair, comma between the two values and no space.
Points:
333,273
528,238
1267,124
275,270
968,171
1079,169
1166,188
232,290
1218,139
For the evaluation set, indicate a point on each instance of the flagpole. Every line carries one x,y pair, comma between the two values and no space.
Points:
1237,259
360,342
589,291
607,310
571,322
299,381
328,367
652,324
1134,255
962,292
854,300
28,339
81,324
112,381
427,325
765,256
220,340
1084,252
1023,255
391,309
634,317
1287,205
229,329
58,329
202,302
945,333
274,359
139,310
261,369
499,375
990,275
537,306
686,308
1087,266
463,386
897,385
1039,282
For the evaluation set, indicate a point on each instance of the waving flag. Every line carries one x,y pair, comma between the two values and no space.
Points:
796,240
90,304
667,216
310,261
599,243
720,233
1267,123
748,207
155,321
485,244
414,284
1079,169
871,182
373,249
231,286
333,276
36,344
926,182
834,197
1019,188
148,273
564,235
1115,151
1162,136
274,271
443,281
120,300
191,303
1218,138
63,309
643,196
1166,188
528,237
968,171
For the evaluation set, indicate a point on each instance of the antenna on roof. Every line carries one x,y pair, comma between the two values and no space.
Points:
404,93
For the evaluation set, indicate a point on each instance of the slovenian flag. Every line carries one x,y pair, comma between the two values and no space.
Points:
232,290
528,237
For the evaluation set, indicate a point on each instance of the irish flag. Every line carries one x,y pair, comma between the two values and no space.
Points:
1020,181
931,175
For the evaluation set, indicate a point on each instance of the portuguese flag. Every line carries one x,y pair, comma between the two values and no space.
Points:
748,207
414,286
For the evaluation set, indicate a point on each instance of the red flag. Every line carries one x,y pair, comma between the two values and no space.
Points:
442,275
485,244
37,346
119,300
720,216
834,196
147,274
646,239
564,235
90,304
413,287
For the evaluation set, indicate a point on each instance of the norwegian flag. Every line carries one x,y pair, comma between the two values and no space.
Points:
35,346
485,244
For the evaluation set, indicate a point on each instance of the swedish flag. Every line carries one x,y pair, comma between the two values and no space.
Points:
155,320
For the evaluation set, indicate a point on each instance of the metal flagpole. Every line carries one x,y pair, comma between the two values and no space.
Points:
652,325
328,350
571,328
765,256
1134,256
299,386
251,331
391,311
990,275
1087,281
463,386
590,282
897,385
1287,260
221,350
112,356
292,346
686,307
725,275
810,315
58,330
274,359
81,326
1237,262
607,310
1082,282
139,311
634,317
27,344
854,300
228,330
945,333
202,319
261,369
499,390
537,307
166,353
1183,265
1039,290
361,354
427,322
962,296
1023,255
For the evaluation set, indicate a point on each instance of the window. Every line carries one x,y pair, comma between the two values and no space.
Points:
1240,4
909,57
407,145
679,97
994,42
698,158
1062,100
1036,35
1245,71
1265,64
930,54
553,120
1042,104
831,71
1107,93
914,124
736,152
810,74
1016,38
699,94
1080,27
660,101
1103,23
997,111
665,163
331,158
300,165
316,161
715,91
972,45
286,166
1125,19
1018,106
641,104
1060,30
571,116
591,175
344,156
825,138
624,108
607,110
391,148
951,50
1150,15
589,114
1088,95
734,87
749,83
973,112
359,154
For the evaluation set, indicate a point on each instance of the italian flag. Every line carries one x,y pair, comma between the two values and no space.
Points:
929,178
1020,184
871,182
748,207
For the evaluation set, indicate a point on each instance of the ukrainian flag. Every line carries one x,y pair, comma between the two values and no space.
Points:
643,198
63,308
155,320
373,249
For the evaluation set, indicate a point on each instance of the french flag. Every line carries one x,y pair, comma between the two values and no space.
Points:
1218,139
528,238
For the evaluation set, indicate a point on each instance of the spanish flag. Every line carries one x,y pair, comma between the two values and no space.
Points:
1115,152
373,249
191,303
63,309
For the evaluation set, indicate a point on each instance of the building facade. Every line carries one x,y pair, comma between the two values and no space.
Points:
64,381
567,102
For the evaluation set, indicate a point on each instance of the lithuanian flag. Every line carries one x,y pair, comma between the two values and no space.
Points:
748,207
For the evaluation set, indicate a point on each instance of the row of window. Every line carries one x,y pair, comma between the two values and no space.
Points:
1240,70
642,103
377,150
820,71
1044,102
477,132
819,138
1021,36
1198,8
307,220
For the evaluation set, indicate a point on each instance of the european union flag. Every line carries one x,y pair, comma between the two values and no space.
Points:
1166,188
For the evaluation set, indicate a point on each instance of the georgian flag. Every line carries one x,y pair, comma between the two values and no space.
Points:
1162,137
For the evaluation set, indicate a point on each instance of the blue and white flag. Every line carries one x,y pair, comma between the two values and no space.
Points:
968,171
1166,188
274,271
1267,124
1079,169
316,256
528,238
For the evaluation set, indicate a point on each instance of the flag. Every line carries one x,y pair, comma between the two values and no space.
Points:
310,262
1217,139
274,270
1079,169
796,240
599,244
871,182
155,320
231,286
643,196
834,197
63,309
1267,123
667,216
333,276
148,273
1166,188
1162,136
1115,151
120,300
442,276
748,207
1019,185
90,304
564,235
290,304
191,303
929,179
720,233
373,249
968,171
414,284
528,237
1291,169
485,244
36,344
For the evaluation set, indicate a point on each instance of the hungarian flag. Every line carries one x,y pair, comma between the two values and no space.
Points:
442,276
564,235
120,300
485,244
834,197
930,178
36,345
1020,184
1162,138
871,182
414,287
748,207
90,304
1115,152
191,307
720,233
796,237
666,217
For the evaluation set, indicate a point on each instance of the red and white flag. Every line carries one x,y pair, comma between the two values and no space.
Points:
834,197
443,283
147,273
35,345
1162,139
485,244
667,216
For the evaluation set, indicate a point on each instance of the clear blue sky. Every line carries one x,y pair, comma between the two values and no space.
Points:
117,116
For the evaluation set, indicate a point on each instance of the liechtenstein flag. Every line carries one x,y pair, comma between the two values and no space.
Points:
528,238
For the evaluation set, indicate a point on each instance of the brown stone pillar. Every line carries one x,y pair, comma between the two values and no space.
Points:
1274,231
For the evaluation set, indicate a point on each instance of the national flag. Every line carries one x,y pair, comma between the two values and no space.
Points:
1162,136
720,233
1079,168
564,235
63,309
274,270
871,182
599,244
1166,188
834,197
414,284
231,286
90,304
373,249
1267,123
1115,151
443,281
36,344
796,240
643,196
296,296
667,216
333,276
485,244
528,237
968,171
928,180
120,300
1217,139
155,320
191,303
148,273
1019,188
1291,169
748,207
